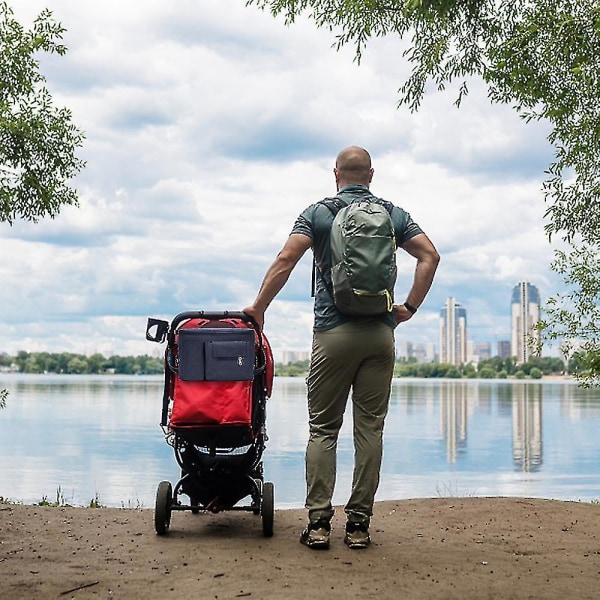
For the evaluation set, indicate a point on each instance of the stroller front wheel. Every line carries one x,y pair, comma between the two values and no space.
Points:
267,509
162,510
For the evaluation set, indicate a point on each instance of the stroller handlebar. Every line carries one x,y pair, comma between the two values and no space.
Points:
157,330
211,315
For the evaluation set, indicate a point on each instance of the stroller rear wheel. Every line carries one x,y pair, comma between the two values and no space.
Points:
162,510
267,509
195,502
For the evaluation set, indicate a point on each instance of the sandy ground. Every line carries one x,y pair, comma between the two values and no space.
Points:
432,548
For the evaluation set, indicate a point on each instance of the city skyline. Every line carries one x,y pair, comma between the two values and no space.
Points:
455,347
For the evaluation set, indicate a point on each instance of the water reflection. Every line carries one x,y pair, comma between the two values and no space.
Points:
527,428
100,435
521,401
453,419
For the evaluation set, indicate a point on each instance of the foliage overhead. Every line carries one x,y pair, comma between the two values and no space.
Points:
542,57
38,141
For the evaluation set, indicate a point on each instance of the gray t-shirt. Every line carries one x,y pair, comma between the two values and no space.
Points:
315,222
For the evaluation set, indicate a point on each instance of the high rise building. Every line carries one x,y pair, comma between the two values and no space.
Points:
421,352
453,333
483,350
430,353
503,350
292,356
525,313
477,351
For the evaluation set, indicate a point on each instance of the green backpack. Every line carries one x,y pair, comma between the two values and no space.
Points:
363,257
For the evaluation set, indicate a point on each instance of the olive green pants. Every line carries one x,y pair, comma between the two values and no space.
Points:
357,356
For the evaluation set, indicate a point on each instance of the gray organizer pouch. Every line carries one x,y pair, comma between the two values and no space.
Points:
216,354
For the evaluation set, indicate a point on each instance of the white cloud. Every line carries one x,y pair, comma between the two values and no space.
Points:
210,126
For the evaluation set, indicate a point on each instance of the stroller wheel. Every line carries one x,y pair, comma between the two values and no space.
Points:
267,509
195,502
162,510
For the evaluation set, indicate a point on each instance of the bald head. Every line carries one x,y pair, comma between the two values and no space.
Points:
353,165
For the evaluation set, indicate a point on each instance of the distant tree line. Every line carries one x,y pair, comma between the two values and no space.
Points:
295,369
97,364
493,368
79,364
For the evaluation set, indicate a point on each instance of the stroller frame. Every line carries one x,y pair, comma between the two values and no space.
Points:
220,465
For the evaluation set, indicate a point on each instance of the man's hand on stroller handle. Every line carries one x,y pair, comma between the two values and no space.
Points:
257,315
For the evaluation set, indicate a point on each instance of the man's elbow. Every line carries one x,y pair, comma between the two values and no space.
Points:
431,258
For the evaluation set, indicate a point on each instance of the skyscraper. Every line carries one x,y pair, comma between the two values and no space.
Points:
503,350
525,313
453,333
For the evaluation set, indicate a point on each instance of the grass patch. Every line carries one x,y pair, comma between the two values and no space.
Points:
60,501
450,490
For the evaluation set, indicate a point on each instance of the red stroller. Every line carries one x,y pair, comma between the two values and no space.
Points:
218,376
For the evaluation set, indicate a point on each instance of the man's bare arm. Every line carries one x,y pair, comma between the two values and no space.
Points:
428,258
277,275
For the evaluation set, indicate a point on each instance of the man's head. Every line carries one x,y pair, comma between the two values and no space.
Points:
353,166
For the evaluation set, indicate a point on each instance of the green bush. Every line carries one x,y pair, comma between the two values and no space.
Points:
535,373
486,373
453,373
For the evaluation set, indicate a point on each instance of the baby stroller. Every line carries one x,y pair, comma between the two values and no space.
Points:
218,376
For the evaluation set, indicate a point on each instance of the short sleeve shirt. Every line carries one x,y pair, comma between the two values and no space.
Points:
315,222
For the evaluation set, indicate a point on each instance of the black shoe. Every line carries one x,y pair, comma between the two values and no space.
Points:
316,535
357,535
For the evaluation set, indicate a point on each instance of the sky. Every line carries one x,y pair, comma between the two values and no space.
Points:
209,127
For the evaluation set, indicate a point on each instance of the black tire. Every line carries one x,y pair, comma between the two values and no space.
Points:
162,510
267,509
194,502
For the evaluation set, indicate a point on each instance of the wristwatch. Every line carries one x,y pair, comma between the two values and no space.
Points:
411,309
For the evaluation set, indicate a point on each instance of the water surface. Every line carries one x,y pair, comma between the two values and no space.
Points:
80,438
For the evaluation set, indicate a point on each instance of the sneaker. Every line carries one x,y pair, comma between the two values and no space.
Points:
316,535
357,535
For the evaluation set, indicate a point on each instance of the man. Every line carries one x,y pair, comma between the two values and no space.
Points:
348,353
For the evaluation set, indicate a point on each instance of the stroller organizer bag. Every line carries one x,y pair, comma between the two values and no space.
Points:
216,354
214,383
218,376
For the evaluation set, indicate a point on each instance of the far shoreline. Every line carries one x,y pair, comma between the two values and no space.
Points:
290,377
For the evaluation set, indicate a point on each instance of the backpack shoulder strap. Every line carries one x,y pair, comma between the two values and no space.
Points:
334,204
387,205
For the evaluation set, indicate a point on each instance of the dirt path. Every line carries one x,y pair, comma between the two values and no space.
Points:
433,548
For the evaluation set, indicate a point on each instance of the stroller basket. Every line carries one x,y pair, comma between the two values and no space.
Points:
218,377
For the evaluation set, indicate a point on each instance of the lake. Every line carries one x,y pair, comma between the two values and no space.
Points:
78,438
